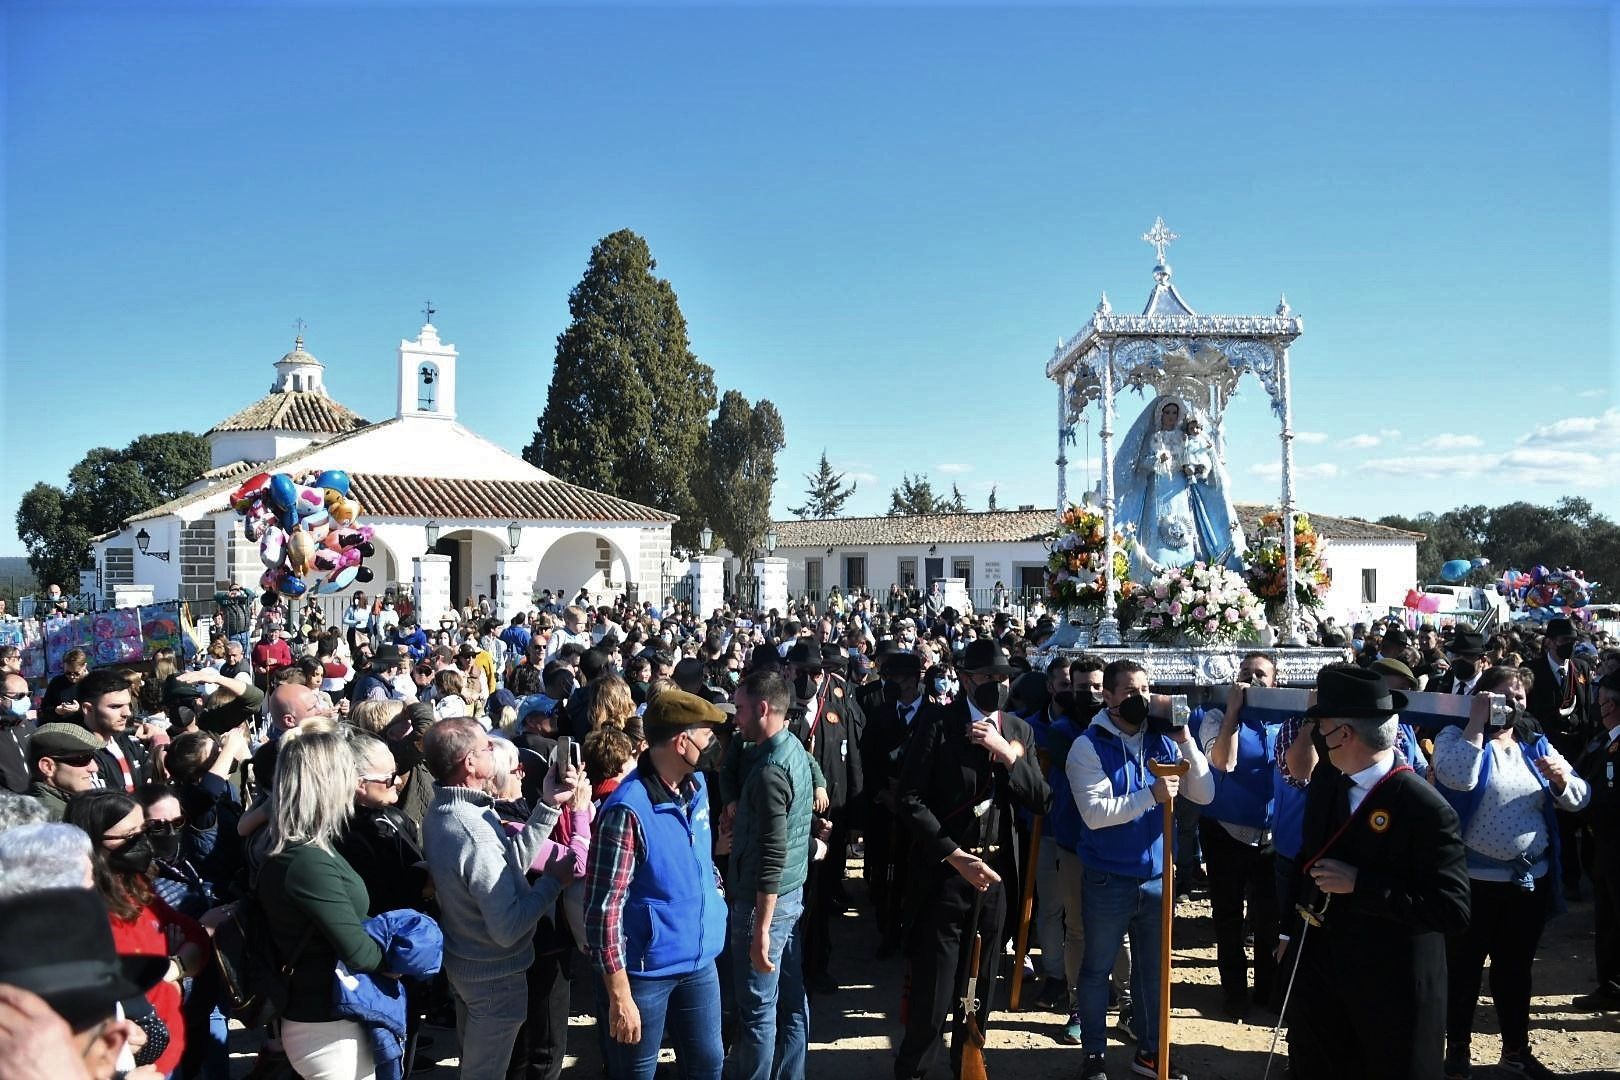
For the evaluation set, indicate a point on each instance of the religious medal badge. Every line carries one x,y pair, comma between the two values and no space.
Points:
1202,604
1076,560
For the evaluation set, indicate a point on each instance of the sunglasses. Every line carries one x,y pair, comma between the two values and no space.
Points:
386,781
76,761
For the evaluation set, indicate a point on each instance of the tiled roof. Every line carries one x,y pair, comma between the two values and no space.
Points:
1017,525
987,526
491,500
294,410
234,468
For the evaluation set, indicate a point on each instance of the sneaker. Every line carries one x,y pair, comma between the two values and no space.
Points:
1523,1063
1148,1065
1126,1015
1070,1036
1096,1068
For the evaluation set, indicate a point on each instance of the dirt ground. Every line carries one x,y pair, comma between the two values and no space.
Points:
854,1032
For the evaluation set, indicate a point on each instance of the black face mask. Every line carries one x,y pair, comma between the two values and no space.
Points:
1564,650
1065,702
891,693
709,757
989,697
135,857
165,845
804,684
1134,710
1094,699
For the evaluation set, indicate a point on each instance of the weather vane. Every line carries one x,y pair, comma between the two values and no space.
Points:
429,310
1160,237
300,325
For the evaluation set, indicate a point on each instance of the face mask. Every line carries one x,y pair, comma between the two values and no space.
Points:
1134,710
990,697
165,845
134,857
19,707
1564,650
1357,643
1095,699
1320,741
804,684
1064,701
941,687
733,678
708,759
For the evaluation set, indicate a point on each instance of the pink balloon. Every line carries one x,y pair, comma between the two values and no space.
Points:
1429,603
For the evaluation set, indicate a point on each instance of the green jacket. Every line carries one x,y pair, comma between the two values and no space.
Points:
770,844
54,801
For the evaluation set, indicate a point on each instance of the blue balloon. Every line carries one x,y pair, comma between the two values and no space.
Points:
336,479
1454,570
284,500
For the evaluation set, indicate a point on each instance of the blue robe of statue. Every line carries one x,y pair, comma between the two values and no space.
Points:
1171,489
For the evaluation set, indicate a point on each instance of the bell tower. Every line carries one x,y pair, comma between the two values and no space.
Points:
427,375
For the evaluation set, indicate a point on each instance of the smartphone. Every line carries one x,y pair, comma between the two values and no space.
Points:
1499,711
562,755
1180,711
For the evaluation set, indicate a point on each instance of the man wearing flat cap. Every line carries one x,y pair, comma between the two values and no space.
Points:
1383,861
824,717
62,762
655,918
966,766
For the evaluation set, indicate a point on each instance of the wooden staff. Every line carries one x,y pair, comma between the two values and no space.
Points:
1167,907
1022,947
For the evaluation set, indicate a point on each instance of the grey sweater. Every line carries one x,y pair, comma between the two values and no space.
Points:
487,908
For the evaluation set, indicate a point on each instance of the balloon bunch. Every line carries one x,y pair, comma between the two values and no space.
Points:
1544,590
306,531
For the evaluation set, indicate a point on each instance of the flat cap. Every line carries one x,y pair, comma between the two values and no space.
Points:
679,709
49,740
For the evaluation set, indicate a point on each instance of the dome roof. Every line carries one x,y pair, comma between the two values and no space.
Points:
299,356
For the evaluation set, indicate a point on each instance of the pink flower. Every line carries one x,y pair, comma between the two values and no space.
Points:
1200,612
1231,615
1175,608
1156,622
1160,592
1210,626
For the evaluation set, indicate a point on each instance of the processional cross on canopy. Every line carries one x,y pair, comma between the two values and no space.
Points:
1160,237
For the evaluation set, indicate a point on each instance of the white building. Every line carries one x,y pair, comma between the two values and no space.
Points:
452,512
1372,565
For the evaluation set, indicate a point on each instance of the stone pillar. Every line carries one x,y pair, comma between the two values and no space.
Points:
514,585
708,573
430,588
771,573
956,594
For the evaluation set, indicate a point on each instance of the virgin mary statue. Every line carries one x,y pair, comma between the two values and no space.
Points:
1171,486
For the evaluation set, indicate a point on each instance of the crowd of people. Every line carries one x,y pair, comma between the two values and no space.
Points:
622,810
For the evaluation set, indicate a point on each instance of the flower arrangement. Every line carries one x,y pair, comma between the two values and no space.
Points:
1267,570
1074,568
1200,603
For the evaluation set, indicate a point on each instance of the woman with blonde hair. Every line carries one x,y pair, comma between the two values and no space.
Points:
611,702
374,715
315,903
449,694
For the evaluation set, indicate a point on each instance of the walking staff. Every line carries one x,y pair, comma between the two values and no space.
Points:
1167,908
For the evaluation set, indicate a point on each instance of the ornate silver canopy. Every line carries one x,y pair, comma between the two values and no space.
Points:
1172,348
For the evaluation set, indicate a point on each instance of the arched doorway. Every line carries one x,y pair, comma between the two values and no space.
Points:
585,560
472,553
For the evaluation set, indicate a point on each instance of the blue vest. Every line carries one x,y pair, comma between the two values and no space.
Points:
1287,816
1244,795
1133,848
1063,820
1467,802
674,913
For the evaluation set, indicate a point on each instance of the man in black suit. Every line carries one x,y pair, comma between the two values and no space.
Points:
1467,652
1560,699
1383,853
1600,766
965,767
889,724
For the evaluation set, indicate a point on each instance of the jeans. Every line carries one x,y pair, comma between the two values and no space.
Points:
489,1014
689,1005
1051,935
773,1013
1110,907
1069,871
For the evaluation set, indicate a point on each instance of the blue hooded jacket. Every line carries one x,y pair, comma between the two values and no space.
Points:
413,946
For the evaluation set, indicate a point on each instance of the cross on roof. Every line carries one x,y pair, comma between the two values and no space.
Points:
300,325
1160,237
429,310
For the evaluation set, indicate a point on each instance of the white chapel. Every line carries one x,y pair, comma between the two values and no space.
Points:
454,515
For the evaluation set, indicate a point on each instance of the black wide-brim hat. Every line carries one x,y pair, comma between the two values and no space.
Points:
984,657
1352,693
58,944
806,654
1467,643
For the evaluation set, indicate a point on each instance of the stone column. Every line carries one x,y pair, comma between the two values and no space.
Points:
514,585
708,574
771,573
430,588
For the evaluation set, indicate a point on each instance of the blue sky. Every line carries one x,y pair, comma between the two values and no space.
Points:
880,218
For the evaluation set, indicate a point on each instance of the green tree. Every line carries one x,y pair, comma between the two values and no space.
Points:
916,496
826,494
956,504
628,406
105,489
740,471
991,504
